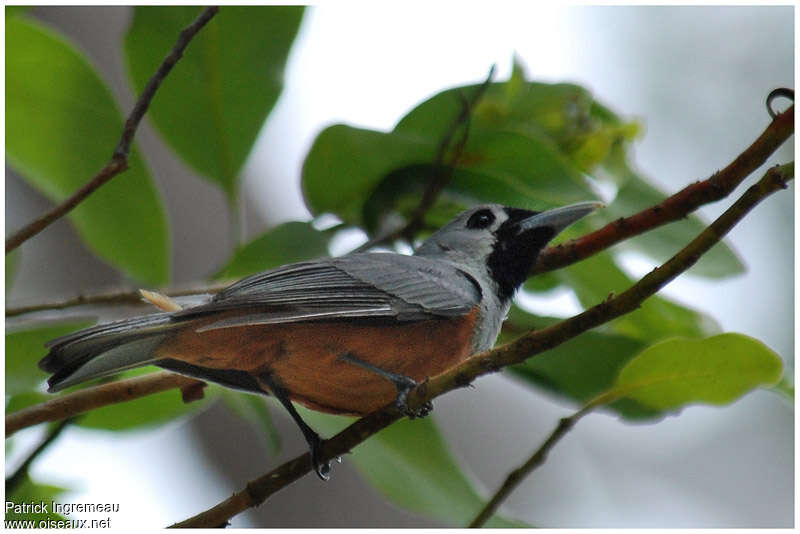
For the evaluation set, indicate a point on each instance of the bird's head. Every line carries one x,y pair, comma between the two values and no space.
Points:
501,241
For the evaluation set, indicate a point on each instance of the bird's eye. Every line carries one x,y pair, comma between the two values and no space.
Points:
480,219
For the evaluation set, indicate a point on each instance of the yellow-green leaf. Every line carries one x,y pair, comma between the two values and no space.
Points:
716,370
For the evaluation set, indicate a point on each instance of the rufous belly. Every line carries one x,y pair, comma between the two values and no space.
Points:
305,357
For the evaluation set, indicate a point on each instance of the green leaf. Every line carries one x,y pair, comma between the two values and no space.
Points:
286,243
29,492
62,125
144,412
345,164
409,463
579,369
214,102
716,370
24,349
12,264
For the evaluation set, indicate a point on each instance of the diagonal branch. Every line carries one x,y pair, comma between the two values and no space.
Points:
516,476
527,346
119,159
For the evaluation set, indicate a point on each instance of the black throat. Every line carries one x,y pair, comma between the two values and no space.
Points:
515,254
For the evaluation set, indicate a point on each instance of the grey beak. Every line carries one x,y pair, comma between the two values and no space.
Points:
560,218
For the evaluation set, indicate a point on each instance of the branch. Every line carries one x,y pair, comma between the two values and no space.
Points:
676,207
518,475
119,159
122,297
68,406
527,346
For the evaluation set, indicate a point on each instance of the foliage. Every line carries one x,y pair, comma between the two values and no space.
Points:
528,144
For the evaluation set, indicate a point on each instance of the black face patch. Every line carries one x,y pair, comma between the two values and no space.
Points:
514,254
480,219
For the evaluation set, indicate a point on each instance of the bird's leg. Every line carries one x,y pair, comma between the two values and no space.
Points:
404,385
312,438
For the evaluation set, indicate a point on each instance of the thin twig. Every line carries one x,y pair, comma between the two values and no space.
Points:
519,474
673,208
527,346
83,400
119,159
121,297
14,480
442,170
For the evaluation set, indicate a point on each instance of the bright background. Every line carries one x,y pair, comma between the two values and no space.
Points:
696,77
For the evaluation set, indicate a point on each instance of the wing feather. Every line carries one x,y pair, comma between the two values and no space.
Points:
369,285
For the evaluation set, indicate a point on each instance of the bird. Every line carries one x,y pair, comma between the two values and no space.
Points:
344,335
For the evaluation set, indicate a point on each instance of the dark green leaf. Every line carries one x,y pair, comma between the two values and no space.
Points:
286,243
579,369
409,463
345,164
212,106
715,370
62,124
595,278
24,349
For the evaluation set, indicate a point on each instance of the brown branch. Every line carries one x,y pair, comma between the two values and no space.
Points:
72,404
516,476
527,346
122,297
676,207
119,159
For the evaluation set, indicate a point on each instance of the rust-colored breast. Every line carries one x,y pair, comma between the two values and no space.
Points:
304,357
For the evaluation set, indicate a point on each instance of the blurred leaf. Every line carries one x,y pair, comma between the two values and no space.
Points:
286,243
24,349
410,464
254,410
662,243
595,278
62,124
12,264
30,493
715,370
148,411
212,106
579,369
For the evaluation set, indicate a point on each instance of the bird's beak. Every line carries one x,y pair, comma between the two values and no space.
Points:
559,218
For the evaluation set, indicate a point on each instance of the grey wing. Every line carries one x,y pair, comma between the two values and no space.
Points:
390,286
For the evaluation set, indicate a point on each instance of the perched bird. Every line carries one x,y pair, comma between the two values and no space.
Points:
344,335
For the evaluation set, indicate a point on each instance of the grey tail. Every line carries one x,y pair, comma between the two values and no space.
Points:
104,350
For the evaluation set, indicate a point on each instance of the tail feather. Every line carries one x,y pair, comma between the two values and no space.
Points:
104,349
